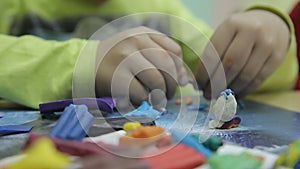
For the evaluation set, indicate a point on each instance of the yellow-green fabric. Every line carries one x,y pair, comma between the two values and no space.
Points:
34,70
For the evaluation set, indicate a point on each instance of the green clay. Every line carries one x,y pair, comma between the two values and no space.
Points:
228,161
212,143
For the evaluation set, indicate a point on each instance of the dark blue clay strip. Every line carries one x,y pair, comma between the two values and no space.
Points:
106,104
13,129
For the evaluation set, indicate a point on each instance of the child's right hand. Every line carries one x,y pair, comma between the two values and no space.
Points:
135,62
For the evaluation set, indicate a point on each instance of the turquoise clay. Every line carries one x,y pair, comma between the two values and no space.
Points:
212,143
228,161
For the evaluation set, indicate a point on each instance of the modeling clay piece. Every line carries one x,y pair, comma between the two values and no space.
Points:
110,138
42,154
147,132
106,104
224,109
267,159
188,101
242,161
190,141
178,101
73,124
131,126
291,157
212,143
74,148
233,123
144,110
142,135
13,129
112,161
175,157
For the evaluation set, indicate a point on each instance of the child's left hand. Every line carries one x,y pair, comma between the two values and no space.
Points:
251,46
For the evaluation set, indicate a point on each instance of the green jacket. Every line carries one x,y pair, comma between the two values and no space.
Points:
35,70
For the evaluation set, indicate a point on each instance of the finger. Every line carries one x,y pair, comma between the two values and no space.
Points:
206,66
258,57
167,43
126,89
164,63
223,37
146,72
214,52
148,75
216,84
175,51
237,54
267,69
181,70
137,92
233,61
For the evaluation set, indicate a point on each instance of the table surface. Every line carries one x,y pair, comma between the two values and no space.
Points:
262,124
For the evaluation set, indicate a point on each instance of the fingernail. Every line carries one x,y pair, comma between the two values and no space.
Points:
183,80
158,100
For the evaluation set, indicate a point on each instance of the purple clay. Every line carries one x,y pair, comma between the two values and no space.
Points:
106,104
233,123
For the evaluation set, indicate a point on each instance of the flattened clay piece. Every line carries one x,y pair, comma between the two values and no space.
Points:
106,104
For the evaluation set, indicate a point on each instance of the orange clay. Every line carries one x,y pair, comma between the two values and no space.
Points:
178,101
147,131
188,101
143,135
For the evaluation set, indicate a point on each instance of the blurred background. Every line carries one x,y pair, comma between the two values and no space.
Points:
213,12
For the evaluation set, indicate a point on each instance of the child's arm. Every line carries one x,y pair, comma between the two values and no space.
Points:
34,70
133,64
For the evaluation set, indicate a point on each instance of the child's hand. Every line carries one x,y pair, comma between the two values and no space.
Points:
251,46
137,61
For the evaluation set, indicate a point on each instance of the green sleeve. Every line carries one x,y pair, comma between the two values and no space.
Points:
285,76
34,70
191,33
